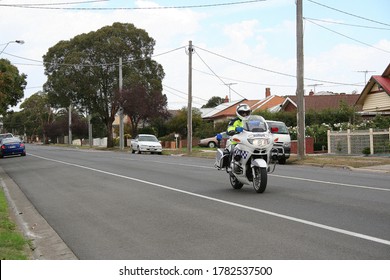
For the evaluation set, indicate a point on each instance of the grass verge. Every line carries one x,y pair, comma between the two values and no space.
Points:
13,245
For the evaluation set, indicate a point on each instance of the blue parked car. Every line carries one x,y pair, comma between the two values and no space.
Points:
12,146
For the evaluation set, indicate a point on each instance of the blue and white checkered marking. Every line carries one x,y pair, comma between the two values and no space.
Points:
243,154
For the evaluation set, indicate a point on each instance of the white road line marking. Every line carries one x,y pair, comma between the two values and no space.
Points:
290,218
280,176
331,183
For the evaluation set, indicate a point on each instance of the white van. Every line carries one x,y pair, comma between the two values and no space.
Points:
282,139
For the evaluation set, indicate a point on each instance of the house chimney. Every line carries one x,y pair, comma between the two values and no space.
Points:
267,92
226,100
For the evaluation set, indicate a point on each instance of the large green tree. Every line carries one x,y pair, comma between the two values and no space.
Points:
84,71
38,114
178,123
213,102
12,85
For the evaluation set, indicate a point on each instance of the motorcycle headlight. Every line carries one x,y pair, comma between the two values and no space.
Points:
259,142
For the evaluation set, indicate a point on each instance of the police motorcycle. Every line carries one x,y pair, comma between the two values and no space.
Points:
248,162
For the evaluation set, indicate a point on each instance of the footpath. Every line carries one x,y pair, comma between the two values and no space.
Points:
46,243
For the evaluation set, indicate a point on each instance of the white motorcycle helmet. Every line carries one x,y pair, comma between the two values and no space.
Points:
243,112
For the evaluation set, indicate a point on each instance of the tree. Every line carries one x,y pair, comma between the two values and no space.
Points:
84,71
59,127
141,104
12,85
178,123
14,122
213,102
38,114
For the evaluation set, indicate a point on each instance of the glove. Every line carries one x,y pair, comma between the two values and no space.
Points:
239,129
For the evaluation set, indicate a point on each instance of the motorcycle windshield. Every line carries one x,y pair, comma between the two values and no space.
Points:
255,124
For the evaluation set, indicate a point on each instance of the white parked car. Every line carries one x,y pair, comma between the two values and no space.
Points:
146,143
282,139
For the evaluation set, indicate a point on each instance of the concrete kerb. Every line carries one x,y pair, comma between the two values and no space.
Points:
377,168
46,243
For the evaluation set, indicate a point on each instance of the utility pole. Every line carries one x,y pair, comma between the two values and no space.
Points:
90,129
70,125
300,90
121,136
189,113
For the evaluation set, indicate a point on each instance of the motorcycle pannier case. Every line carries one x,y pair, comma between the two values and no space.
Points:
222,158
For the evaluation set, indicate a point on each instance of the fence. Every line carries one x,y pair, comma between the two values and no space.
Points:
356,141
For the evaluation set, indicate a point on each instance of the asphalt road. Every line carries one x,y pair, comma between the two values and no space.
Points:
113,205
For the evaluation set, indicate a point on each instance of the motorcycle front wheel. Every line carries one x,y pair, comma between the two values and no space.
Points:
260,179
234,182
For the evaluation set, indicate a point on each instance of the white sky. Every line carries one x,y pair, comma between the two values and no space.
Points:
260,35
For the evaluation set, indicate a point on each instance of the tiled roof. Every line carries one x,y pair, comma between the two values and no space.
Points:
231,111
268,103
211,114
321,102
264,104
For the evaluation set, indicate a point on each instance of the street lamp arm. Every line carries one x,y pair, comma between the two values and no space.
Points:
6,45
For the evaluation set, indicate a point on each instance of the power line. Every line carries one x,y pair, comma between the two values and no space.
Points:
340,11
184,93
347,24
273,71
55,4
361,42
180,48
95,65
216,74
33,6
243,81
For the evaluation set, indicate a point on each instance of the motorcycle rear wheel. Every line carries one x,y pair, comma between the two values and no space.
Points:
260,179
234,182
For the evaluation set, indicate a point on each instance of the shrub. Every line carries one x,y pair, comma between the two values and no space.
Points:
366,151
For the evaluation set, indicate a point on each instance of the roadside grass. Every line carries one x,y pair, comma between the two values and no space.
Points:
341,160
13,246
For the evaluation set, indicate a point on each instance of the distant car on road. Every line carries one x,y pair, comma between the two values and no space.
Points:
212,142
12,146
146,143
282,139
